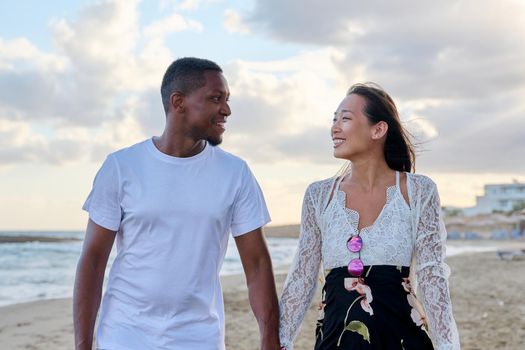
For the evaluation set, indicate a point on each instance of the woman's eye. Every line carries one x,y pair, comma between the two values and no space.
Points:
216,98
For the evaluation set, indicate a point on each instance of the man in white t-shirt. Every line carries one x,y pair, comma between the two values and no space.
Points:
171,202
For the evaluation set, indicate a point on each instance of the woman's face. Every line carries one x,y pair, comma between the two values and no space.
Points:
351,130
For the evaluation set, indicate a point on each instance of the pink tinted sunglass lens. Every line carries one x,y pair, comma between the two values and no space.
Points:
354,244
355,267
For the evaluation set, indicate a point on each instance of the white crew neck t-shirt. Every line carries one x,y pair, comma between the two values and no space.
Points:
173,217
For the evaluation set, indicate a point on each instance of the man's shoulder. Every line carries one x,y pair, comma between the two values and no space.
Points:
225,156
132,150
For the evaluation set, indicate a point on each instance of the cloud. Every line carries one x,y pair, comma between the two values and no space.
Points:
456,69
300,21
233,22
96,50
194,4
105,61
171,24
420,48
16,136
148,112
20,52
20,144
477,136
282,110
185,5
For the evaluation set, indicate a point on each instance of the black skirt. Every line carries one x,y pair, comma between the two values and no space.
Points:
376,311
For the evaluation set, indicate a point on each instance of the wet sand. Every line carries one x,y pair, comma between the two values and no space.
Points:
487,295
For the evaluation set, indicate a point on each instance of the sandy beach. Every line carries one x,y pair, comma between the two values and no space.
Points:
487,295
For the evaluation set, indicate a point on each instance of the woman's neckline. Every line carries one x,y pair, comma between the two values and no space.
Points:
357,215
354,212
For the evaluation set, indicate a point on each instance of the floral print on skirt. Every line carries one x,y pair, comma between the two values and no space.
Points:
376,311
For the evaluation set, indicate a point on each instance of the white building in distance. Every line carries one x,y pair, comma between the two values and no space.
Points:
499,197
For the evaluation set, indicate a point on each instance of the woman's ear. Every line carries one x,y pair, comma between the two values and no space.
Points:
379,130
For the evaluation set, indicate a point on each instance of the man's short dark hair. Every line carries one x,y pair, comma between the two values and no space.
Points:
185,75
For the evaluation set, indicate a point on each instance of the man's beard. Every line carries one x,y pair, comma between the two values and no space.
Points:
214,141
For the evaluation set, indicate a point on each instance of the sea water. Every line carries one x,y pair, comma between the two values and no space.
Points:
45,270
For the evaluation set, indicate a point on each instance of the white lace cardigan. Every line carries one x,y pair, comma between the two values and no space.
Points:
404,234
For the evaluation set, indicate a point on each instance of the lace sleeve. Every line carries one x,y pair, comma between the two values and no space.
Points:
432,273
300,285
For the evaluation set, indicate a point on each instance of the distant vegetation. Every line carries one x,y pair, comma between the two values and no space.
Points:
518,207
453,212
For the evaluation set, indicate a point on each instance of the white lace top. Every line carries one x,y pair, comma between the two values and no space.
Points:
402,235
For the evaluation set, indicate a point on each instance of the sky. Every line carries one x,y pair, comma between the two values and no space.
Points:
80,79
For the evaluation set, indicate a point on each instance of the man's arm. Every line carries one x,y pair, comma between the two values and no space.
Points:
261,286
88,282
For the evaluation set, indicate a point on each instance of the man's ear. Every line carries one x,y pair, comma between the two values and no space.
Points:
379,130
177,101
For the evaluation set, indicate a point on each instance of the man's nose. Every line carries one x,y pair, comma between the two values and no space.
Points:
225,110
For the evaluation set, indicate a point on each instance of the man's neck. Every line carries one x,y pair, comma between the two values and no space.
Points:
181,147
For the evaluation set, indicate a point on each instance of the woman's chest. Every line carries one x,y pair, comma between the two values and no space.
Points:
389,240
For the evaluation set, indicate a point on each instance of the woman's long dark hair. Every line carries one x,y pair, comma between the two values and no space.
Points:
399,150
